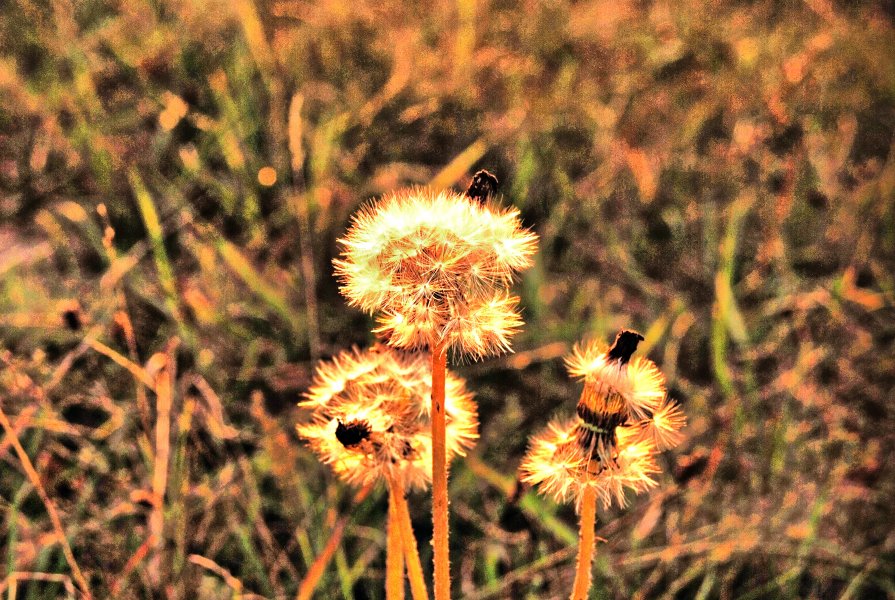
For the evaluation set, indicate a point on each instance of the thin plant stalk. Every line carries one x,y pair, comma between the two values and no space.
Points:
586,540
442,577
394,556
315,572
33,476
398,503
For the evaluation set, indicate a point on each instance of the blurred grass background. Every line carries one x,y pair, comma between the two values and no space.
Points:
174,174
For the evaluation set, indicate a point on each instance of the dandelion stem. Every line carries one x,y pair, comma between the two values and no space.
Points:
394,557
588,518
442,576
398,502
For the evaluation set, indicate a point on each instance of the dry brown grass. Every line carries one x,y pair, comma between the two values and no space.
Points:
719,177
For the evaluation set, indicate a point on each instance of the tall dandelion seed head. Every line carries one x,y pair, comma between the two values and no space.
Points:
370,417
623,420
437,268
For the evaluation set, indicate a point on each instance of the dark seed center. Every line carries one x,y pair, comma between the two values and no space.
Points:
352,433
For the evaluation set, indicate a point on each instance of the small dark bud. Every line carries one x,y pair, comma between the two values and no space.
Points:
624,346
72,319
352,433
482,186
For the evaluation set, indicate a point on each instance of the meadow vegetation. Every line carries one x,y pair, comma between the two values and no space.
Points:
174,175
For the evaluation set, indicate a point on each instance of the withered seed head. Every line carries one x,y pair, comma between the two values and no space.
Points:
623,420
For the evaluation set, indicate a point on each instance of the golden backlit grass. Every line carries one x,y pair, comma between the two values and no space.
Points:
719,177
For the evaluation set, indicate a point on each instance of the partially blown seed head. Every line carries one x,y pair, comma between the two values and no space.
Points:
561,467
437,267
623,420
370,416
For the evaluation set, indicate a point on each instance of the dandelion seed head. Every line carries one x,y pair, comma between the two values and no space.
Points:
437,267
370,416
623,421
561,468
